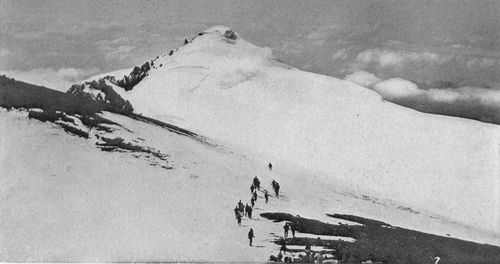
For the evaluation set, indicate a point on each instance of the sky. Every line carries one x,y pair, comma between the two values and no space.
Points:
429,55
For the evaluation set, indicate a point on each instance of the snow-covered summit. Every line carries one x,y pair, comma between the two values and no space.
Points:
222,31
341,134
220,46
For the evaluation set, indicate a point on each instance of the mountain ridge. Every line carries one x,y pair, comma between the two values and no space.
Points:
144,182
238,94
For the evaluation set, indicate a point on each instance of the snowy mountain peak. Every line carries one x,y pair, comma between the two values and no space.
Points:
222,31
220,86
181,136
220,47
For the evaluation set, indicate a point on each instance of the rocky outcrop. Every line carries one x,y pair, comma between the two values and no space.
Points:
103,92
129,81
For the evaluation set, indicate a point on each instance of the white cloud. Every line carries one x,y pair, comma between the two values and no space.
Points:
363,78
443,95
397,88
468,102
60,79
481,62
340,54
389,58
469,67
489,97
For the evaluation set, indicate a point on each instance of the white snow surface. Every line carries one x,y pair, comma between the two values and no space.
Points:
337,132
331,142
312,236
63,200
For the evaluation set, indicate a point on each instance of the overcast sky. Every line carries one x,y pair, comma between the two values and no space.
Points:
434,44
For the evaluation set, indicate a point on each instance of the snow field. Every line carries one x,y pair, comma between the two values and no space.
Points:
65,200
338,132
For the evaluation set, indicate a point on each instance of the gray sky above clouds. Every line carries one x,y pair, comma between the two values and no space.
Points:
435,44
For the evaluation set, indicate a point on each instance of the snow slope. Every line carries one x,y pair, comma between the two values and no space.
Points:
339,133
336,148
64,200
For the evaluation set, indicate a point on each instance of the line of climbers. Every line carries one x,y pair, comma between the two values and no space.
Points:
309,257
246,210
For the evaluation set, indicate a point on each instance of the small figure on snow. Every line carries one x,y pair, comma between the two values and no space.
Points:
283,245
249,212
266,195
245,208
308,245
286,227
292,227
270,166
276,188
311,257
240,206
236,211
250,236
319,258
256,183
238,217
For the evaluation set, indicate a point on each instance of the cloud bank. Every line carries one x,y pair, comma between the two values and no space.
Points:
60,79
398,58
477,103
462,65
363,78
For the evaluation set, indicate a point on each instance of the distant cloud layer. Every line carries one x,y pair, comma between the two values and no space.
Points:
398,58
363,78
397,88
60,79
457,65
468,102
435,45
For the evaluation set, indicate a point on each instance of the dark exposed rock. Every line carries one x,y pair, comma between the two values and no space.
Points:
379,241
230,34
112,98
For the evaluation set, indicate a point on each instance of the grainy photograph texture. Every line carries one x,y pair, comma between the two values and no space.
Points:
250,131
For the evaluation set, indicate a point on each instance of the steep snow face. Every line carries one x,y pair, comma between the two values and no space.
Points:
224,87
